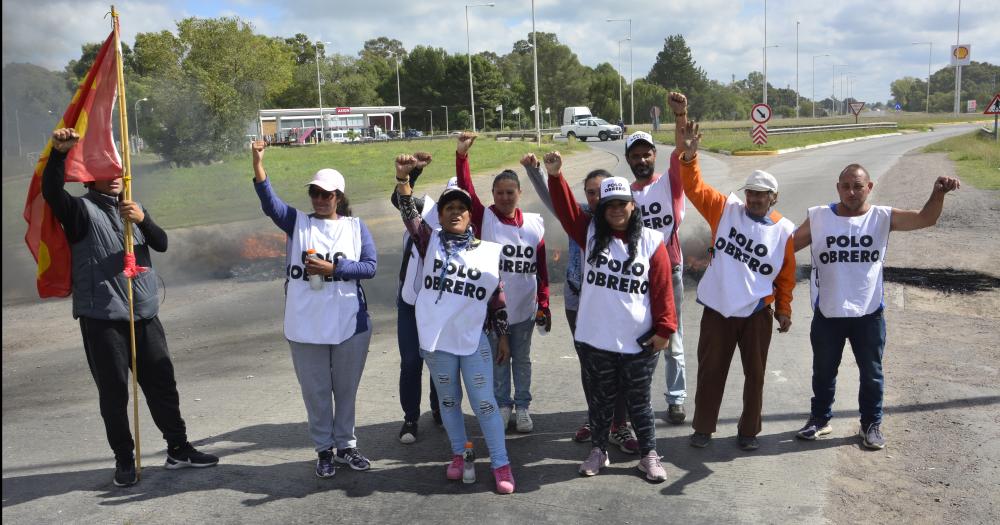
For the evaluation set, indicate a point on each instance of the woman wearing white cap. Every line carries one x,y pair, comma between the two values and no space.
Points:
460,299
626,311
326,319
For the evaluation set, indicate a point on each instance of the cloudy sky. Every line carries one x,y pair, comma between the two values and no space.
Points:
873,38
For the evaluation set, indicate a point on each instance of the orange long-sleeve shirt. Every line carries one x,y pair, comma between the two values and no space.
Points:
710,202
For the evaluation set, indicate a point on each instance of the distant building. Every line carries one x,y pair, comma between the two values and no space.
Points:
303,124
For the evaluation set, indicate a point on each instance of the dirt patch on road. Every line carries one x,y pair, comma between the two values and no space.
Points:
942,368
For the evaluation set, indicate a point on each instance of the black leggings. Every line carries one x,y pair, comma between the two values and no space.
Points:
609,375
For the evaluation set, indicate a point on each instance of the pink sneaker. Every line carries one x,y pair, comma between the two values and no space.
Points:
650,466
456,466
504,479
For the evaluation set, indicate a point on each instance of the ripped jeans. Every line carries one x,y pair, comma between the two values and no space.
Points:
476,371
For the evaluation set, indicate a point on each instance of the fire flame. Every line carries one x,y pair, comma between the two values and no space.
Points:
263,246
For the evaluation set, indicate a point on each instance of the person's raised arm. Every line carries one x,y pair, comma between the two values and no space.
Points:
423,159
678,103
706,199
419,231
68,211
571,216
533,167
280,213
464,175
908,220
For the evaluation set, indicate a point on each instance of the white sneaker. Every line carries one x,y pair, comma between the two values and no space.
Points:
505,416
524,424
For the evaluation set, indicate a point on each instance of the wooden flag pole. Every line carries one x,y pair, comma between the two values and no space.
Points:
127,181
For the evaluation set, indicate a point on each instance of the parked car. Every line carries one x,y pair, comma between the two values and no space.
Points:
413,133
592,128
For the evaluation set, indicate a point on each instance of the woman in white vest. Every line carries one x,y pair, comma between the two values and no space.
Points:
626,311
326,316
460,299
525,279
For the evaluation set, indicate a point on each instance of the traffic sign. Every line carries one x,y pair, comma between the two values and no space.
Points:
993,108
759,134
898,106
856,108
970,105
760,113
654,112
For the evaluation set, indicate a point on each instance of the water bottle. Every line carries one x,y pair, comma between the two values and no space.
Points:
315,280
469,470
540,323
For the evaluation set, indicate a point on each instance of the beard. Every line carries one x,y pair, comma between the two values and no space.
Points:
643,171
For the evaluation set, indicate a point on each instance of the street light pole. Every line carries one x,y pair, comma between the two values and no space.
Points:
631,82
399,98
447,130
534,49
621,107
765,70
930,47
432,123
814,82
833,88
319,90
468,49
796,69
138,140
958,69
765,52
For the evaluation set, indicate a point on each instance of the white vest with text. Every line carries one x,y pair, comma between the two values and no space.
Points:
454,323
847,260
657,207
614,298
518,261
747,256
327,316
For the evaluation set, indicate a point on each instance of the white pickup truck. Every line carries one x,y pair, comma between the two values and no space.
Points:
592,127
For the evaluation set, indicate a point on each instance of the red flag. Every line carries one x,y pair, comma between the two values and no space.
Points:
93,158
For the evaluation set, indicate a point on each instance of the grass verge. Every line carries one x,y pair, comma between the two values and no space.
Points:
976,156
732,141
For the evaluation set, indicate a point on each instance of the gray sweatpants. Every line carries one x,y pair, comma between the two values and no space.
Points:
323,369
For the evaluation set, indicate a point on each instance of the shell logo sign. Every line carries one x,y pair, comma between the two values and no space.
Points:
961,55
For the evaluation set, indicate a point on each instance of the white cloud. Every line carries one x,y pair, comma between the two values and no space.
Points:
726,36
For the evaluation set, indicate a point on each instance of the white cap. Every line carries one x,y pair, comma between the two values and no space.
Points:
328,179
761,180
615,189
452,183
639,136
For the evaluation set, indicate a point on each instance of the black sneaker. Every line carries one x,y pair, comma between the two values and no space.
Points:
408,433
185,455
814,428
125,475
871,437
747,443
700,440
324,464
675,414
353,458
436,414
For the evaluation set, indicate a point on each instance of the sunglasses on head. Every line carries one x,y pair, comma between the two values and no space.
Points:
316,192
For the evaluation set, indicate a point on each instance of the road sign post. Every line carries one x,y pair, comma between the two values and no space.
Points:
760,114
856,108
993,108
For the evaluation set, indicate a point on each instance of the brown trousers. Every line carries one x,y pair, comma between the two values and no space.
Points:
718,340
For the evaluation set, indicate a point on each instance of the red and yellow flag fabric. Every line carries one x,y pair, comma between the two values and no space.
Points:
93,158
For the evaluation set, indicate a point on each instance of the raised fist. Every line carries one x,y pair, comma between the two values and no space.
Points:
257,149
946,184
553,163
678,102
530,161
404,165
465,141
64,138
423,158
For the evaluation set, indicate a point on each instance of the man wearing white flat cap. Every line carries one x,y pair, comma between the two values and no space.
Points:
748,281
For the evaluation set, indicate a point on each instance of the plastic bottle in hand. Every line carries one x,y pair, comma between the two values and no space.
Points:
315,279
469,470
540,323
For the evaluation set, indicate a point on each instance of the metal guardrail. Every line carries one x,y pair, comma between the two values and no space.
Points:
832,127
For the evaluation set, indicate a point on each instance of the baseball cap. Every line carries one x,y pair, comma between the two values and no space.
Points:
452,183
761,180
451,193
615,189
639,137
328,179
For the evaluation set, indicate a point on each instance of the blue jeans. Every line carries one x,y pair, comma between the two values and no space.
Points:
411,365
519,365
477,372
673,356
867,337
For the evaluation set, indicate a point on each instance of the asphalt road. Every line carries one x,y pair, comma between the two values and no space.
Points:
241,400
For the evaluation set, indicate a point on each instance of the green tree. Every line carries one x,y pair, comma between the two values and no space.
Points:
675,68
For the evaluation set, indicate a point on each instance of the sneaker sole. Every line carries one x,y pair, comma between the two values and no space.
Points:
117,484
321,476
607,462
581,440
176,465
407,439
649,478
700,445
348,463
821,432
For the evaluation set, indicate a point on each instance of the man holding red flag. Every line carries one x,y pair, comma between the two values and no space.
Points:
93,225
